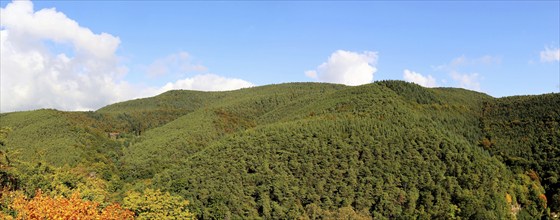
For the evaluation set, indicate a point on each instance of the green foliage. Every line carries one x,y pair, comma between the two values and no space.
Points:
8,179
335,164
411,92
387,150
524,131
53,137
153,204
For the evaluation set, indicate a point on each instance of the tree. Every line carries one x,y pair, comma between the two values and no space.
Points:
153,204
45,207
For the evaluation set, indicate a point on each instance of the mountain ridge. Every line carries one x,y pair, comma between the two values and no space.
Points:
389,149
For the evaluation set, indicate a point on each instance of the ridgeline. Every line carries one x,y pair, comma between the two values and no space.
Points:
386,150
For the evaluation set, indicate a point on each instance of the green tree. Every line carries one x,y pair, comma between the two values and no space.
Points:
154,204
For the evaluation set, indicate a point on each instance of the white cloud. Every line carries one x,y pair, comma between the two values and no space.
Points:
174,63
463,64
426,81
346,67
463,61
20,19
85,76
207,82
467,81
487,60
550,55
34,77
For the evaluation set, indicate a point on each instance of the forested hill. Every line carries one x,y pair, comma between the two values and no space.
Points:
384,150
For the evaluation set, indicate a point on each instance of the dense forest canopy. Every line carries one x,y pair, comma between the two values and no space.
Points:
384,150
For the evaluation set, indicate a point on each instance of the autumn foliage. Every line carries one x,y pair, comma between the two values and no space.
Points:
45,207
543,200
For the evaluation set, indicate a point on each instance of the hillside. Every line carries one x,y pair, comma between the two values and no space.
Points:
389,149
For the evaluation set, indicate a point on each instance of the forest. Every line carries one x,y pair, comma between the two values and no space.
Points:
385,150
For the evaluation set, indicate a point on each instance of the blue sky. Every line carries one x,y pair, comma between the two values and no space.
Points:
501,48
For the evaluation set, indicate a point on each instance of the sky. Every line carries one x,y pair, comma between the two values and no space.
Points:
83,55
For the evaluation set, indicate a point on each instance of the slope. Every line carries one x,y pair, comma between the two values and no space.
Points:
389,149
524,132
56,138
234,111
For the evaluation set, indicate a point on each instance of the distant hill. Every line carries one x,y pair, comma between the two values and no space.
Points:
385,150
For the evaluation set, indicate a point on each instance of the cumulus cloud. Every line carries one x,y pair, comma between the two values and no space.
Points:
457,66
35,77
22,21
346,67
207,82
173,63
467,81
86,75
426,81
550,55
